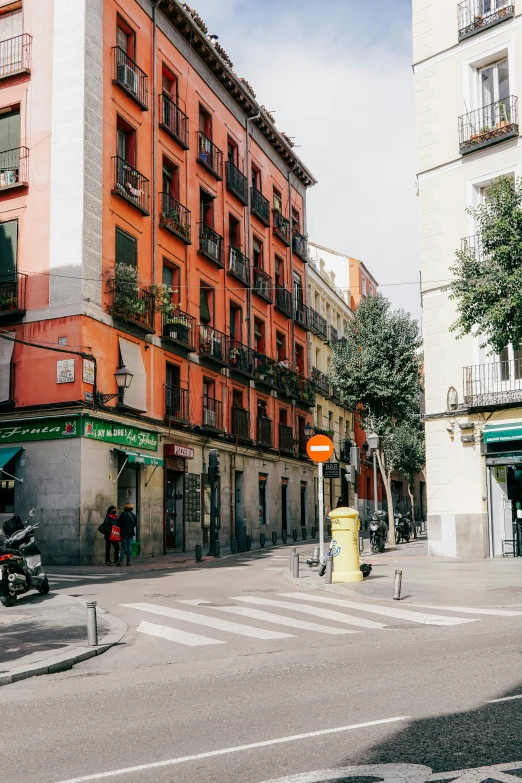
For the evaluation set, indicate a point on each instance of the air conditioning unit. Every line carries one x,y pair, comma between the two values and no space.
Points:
209,418
130,79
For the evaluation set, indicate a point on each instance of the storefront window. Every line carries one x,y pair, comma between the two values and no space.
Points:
7,489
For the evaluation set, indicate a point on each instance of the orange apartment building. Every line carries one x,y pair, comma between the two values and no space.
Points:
152,221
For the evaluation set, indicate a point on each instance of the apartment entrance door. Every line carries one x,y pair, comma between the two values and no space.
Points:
174,504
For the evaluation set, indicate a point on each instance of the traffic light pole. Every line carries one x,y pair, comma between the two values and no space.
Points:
320,489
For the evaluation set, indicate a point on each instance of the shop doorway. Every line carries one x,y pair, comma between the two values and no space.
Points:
303,504
174,510
241,532
506,500
128,486
284,505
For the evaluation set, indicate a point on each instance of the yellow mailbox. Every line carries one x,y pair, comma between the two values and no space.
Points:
345,545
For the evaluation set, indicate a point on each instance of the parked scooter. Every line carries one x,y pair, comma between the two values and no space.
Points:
365,567
403,528
378,531
20,561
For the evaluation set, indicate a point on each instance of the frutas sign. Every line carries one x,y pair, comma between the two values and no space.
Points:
108,431
43,429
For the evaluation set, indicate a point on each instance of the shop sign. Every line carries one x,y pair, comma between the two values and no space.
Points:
43,429
331,470
112,432
88,372
65,371
502,433
176,450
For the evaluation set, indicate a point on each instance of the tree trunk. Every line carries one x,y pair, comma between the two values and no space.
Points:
386,477
412,501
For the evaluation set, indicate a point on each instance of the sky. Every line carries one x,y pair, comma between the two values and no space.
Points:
337,76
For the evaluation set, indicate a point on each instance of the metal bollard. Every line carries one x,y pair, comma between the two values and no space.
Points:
292,553
248,543
313,532
284,536
199,553
397,586
233,545
92,626
217,548
262,540
304,533
295,565
294,534
274,537
329,570
316,553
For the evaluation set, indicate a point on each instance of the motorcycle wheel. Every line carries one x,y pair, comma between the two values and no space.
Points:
376,547
44,587
322,570
407,538
397,538
8,600
382,546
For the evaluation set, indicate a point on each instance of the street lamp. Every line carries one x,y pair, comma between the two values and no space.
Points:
123,379
373,444
308,429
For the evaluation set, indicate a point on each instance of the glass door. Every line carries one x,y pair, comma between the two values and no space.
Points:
494,95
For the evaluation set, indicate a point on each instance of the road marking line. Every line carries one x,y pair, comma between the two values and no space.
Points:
390,611
270,617
318,611
72,578
174,635
210,622
227,751
504,698
232,568
472,610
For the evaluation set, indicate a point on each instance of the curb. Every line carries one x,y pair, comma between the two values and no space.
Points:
61,663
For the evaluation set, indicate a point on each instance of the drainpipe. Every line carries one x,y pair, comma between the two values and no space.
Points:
154,137
291,258
249,228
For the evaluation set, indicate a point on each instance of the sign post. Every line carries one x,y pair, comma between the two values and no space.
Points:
320,448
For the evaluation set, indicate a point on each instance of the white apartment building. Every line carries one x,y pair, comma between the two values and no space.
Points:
468,76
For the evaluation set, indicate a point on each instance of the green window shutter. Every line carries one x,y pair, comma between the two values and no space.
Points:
126,249
8,247
204,312
10,131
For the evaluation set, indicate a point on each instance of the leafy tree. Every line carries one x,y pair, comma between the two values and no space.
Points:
487,285
405,450
377,366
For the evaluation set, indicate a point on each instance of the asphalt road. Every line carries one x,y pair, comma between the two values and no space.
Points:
274,697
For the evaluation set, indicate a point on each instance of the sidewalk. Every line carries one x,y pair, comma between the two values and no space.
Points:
48,634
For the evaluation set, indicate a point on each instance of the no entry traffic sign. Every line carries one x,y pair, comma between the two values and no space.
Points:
320,448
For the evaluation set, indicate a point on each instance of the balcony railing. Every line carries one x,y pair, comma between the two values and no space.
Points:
130,78
260,206
478,15
177,404
134,305
213,344
264,432
283,300
262,284
294,385
175,217
336,395
320,382
240,423
12,295
265,369
318,325
174,121
334,335
210,244
281,227
238,265
472,245
300,246
302,440
286,439
346,446
130,185
15,55
210,156
180,327
237,183
301,314
241,358
212,414
488,125
492,384
14,168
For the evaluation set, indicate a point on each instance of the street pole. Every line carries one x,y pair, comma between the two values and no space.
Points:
375,498
321,509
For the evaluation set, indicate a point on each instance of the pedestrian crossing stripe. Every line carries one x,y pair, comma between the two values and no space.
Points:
174,635
326,614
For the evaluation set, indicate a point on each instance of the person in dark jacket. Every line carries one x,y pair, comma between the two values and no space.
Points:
127,524
110,520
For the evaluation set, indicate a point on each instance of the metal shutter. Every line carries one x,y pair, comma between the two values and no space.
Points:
126,248
6,354
8,248
10,130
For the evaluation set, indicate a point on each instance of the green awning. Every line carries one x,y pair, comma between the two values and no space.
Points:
502,433
7,454
142,459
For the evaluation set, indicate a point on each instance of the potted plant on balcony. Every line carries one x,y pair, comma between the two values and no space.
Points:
234,356
123,284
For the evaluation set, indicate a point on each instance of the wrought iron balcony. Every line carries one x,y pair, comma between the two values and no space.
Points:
241,358
12,296
134,305
174,121
240,423
130,78
300,246
210,156
335,335
301,314
213,344
336,395
15,55
265,370
472,246
302,440
320,382
281,227
283,300
497,383
212,414
175,217
130,185
14,168
264,432
237,183
286,439
260,206
346,454
262,284
294,385
478,15
238,265
177,404
210,244
488,125
318,325
180,328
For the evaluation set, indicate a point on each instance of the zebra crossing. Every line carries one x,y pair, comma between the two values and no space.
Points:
254,617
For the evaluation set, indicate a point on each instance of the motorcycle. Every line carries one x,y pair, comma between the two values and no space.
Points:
378,531
365,567
20,561
403,529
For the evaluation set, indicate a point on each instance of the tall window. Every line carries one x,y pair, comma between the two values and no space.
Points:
494,83
277,201
281,347
171,278
206,303
206,208
258,253
232,151
279,271
299,358
9,139
234,232
205,122
8,249
169,85
296,220
256,178
262,482
298,290
125,141
125,38
259,335
235,322
126,248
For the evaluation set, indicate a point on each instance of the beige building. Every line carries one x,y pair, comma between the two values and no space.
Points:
468,69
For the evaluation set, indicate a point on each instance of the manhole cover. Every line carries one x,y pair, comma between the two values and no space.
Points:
218,603
164,595
261,590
